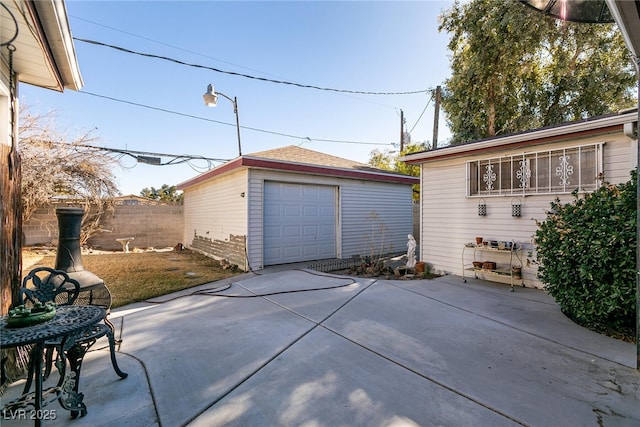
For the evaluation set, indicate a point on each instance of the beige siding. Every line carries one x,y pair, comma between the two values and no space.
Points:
449,219
618,160
215,217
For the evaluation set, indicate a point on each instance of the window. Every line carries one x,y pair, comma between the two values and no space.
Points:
542,172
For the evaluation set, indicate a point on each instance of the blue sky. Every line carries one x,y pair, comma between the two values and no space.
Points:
351,46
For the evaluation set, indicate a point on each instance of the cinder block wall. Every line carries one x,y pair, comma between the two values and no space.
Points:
41,229
157,226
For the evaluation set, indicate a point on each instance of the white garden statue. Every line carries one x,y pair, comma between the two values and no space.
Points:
411,252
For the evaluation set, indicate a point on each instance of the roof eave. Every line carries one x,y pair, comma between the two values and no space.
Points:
53,19
627,15
262,163
603,125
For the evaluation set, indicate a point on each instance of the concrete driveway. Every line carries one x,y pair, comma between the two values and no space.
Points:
356,352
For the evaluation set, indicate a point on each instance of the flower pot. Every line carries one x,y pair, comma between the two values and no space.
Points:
400,271
516,272
478,240
489,265
420,267
477,264
21,316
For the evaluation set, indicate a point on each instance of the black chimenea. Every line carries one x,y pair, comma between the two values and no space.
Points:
69,257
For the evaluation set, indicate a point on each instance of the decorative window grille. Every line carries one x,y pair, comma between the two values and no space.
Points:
543,172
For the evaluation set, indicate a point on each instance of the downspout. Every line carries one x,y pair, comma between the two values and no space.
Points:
633,132
626,27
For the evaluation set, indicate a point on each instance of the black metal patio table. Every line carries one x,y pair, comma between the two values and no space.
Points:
69,322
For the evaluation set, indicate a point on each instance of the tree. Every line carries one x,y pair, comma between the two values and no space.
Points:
166,193
388,160
55,165
514,69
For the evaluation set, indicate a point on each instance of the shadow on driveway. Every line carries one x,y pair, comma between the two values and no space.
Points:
259,350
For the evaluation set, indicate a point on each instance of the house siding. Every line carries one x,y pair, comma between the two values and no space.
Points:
215,217
619,160
358,200
449,219
254,220
376,218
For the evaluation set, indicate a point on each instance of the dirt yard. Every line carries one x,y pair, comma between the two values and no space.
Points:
136,276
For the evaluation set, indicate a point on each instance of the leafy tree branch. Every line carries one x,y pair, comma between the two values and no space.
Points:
514,69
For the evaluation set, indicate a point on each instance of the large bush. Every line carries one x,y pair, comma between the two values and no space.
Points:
587,252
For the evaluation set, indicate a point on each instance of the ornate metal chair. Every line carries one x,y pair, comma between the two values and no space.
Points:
45,284
42,285
99,296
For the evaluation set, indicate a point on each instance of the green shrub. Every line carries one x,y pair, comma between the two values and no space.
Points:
587,255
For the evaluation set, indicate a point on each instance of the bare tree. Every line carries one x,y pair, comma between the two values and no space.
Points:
57,166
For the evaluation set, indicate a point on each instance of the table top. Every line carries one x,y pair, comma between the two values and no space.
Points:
69,319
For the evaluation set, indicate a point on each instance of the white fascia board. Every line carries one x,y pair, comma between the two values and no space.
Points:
55,22
561,130
627,15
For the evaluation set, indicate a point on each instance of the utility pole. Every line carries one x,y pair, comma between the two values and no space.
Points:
401,131
434,144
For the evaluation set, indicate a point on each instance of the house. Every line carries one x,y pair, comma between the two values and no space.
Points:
36,48
292,204
497,188
132,200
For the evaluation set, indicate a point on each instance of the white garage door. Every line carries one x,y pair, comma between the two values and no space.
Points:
299,222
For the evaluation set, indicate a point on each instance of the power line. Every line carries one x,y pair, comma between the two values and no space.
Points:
208,56
230,124
148,157
150,153
233,73
425,109
167,44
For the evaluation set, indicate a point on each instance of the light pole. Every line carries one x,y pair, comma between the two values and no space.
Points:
211,100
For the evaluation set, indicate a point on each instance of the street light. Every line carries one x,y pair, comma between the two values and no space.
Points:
211,100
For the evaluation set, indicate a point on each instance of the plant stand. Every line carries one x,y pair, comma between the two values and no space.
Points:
503,271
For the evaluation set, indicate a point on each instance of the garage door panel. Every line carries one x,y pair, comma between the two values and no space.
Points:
326,212
310,211
310,231
271,210
272,232
272,253
311,251
291,212
326,248
291,252
325,229
291,191
305,216
291,231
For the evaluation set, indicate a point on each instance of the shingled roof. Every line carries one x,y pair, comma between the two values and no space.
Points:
296,154
302,160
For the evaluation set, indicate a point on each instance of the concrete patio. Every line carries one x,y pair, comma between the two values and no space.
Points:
362,352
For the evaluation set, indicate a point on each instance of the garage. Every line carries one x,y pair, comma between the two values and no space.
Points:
299,222
292,204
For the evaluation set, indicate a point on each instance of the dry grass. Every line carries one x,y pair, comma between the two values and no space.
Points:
136,277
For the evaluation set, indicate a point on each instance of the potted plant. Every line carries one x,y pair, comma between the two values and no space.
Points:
516,271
